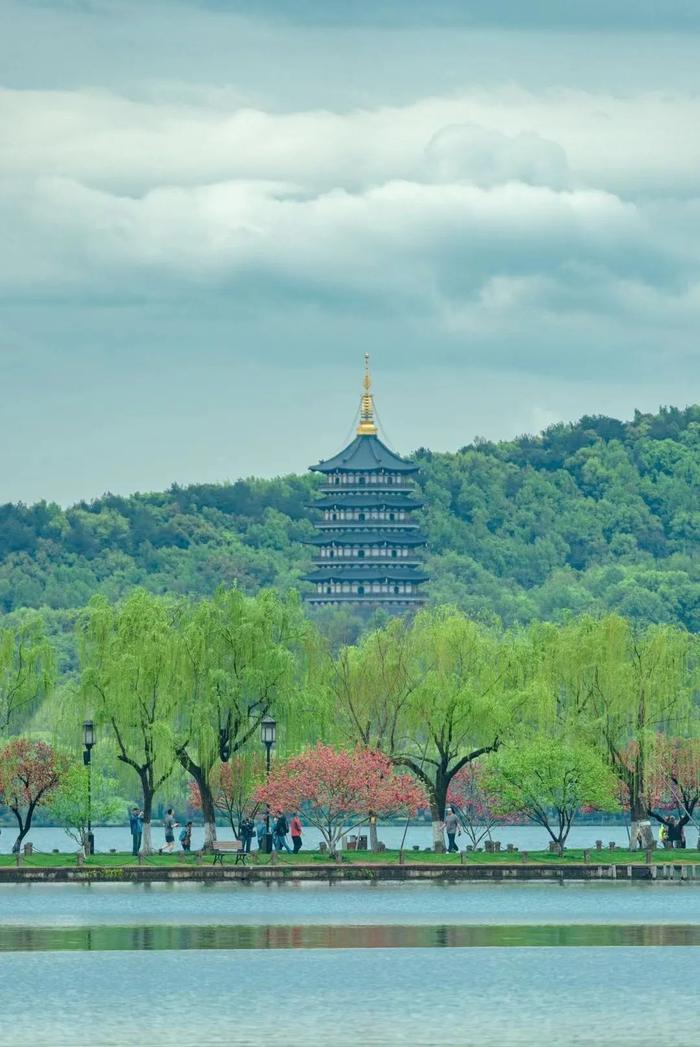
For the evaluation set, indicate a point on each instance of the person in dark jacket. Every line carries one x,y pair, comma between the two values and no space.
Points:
185,838
136,828
169,825
675,830
280,834
246,832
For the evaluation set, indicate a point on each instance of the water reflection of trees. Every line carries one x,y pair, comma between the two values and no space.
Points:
340,936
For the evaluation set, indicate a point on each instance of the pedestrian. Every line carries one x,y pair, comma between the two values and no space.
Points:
260,832
246,831
451,828
186,837
676,833
170,825
674,830
281,830
136,828
296,832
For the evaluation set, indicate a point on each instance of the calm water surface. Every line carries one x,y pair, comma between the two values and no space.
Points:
490,964
308,904
489,997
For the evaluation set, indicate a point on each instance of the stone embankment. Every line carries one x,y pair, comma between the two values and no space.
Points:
337,873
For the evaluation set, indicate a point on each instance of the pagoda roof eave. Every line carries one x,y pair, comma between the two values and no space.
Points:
368,538
360,500
365,454
368,574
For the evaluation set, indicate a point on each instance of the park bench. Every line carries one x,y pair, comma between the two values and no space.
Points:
222,847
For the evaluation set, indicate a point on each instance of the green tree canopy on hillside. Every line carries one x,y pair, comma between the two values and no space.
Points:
595,516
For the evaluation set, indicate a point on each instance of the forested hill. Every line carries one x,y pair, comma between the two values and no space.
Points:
598,515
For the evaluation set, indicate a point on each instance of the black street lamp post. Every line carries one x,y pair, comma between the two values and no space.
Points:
268,731
88,742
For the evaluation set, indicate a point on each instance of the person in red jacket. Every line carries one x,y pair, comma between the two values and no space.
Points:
296,833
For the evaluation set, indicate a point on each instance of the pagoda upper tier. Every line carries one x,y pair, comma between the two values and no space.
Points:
368,454
368,547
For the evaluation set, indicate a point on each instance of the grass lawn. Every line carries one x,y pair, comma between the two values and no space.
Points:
314,858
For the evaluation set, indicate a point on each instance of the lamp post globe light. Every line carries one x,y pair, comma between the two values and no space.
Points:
268,733
88,742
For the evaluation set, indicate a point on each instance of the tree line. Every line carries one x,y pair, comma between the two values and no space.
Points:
536,722
599,516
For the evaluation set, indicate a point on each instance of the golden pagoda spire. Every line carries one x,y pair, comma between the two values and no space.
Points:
367,426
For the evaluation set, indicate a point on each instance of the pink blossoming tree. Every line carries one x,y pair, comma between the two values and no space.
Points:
338,790
674,778
30,774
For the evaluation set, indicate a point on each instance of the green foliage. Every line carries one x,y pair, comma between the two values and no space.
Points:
27,669
240,660
69,805
549,779
130,660
593,517
617,684
435,694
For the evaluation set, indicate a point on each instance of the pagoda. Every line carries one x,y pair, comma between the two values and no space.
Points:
368,547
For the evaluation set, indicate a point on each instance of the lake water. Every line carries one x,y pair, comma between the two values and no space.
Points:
305,964
487,997
525,837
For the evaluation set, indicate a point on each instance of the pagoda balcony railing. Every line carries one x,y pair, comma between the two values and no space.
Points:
366,561
366,525
368,488
367,598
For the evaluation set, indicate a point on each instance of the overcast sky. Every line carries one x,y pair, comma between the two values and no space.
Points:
210,211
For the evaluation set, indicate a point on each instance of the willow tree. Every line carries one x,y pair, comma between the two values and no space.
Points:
129,660
469,687
618,685
369,685
239,660
434,694
27,669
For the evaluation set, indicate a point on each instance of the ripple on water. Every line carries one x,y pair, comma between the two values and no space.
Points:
490,997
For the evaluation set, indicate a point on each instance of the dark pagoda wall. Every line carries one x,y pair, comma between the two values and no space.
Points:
368,545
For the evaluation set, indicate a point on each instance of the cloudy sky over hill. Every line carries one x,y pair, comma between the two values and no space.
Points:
211,210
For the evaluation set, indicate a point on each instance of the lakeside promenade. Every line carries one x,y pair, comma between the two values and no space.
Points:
658,866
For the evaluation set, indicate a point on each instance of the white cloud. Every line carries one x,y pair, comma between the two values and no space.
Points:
641,143
206,214
490,211
487,157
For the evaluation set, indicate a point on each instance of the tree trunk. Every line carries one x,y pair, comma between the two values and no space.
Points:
208,809
437,818
201,777
147,842
373,840
640,828
209,815
438,803
18,842
24,826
